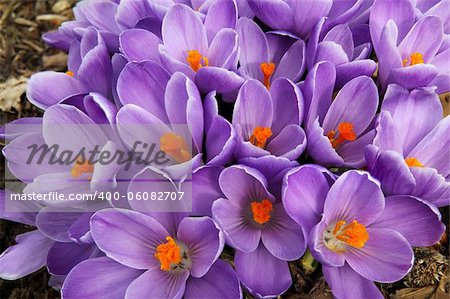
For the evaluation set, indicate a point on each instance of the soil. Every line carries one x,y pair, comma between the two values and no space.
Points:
23,53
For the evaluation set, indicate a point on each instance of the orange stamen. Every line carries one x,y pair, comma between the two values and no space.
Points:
346,133
168,253
71,74
413,162
413,59
174,146
260,136
195,60
81,166
261,210
354,234
267,68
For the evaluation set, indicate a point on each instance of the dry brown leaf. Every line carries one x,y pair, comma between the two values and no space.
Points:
445,100
10,93
414,293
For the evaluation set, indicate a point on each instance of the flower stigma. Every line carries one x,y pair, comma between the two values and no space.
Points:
267,68
346,133
340,235
174,146
413,162
261,210
82,166
413,59
168,254
196,60
260,136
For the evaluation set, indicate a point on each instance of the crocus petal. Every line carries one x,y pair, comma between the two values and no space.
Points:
432,151
400,12
386,256
273,168
184,106
289,143
388,136
48,88
128,237
238,231
204,240
283,237
332,52
414,41
221,14
319,250
388,56
354,196
224,49
304,191
253,108
100,277
62,257
144,84
61,118
319,146
275,13
418,222
342,35
253,46
220,142
181,20
414,114
414,76
164,284
205,189
353,152
139,44
338,278
431,186
96,64
262,273
288,104
292,64
228,288
317,91
215,78
17,262
347,71
307,13
361,94
240,184
55,225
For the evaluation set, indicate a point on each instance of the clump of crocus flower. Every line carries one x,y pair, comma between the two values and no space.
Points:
310,126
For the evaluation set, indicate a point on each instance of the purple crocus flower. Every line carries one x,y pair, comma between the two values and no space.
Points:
404,56
149,260
268,121
337,131
98,14
438,8
357,234
410,152
300,16
206,54
151,98
257,226
60,241
339,47
149,15
46,176
90,70
268,56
